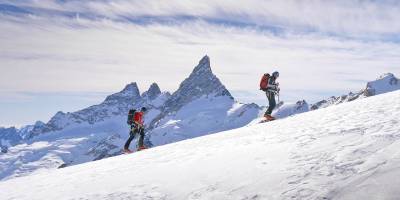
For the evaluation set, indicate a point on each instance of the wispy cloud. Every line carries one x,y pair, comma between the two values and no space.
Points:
343,17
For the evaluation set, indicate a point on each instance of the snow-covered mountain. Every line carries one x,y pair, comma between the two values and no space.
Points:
114,105
9,137
73,138
383,84
12,136
202,105
348,151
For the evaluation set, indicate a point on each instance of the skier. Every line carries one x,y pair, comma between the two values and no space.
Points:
269,85
135,120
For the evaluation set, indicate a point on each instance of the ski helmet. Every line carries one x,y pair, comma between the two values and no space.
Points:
144,109
275,74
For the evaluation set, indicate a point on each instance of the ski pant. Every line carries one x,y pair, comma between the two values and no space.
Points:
272,103
132,135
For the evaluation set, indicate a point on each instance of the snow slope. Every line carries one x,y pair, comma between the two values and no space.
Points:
288,109
348,151
203,116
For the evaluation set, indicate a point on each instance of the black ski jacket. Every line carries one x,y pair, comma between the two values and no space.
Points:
272,85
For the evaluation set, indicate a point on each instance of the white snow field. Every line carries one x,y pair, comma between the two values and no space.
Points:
346,151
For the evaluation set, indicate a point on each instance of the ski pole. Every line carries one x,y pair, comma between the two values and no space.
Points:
278,98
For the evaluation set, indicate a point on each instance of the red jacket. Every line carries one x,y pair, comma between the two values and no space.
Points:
138,118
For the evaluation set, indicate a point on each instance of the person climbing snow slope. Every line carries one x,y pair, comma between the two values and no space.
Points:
269,85
135,120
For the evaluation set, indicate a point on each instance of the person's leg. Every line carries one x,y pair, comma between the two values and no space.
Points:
131,137
141,138
266,112
272,103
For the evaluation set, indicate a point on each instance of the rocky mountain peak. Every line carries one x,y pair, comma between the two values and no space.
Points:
386,76
384,83
152,92
201,82
115,104
204,67
129,93
39,123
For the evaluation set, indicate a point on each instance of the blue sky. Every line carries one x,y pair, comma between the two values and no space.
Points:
66,55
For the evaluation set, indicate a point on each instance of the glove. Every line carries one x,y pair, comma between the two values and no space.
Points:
139,126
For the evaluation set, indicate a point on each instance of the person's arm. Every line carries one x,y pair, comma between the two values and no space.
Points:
272,85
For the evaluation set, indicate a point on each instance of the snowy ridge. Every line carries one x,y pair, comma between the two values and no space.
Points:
114,105
153,92
385,83
349,151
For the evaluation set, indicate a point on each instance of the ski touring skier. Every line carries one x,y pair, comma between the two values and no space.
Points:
135,120
269,85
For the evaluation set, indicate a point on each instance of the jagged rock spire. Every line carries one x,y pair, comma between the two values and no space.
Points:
201,82
152,92
129,93
203,67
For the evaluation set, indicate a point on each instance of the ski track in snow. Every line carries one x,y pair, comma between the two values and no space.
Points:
349,151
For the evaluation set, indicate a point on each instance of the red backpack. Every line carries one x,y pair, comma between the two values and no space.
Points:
264,82
138,118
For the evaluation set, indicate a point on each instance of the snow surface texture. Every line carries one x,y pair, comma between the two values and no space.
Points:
349,151
201,105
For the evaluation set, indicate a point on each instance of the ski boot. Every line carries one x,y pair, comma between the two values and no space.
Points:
141,148
127,151
267,118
